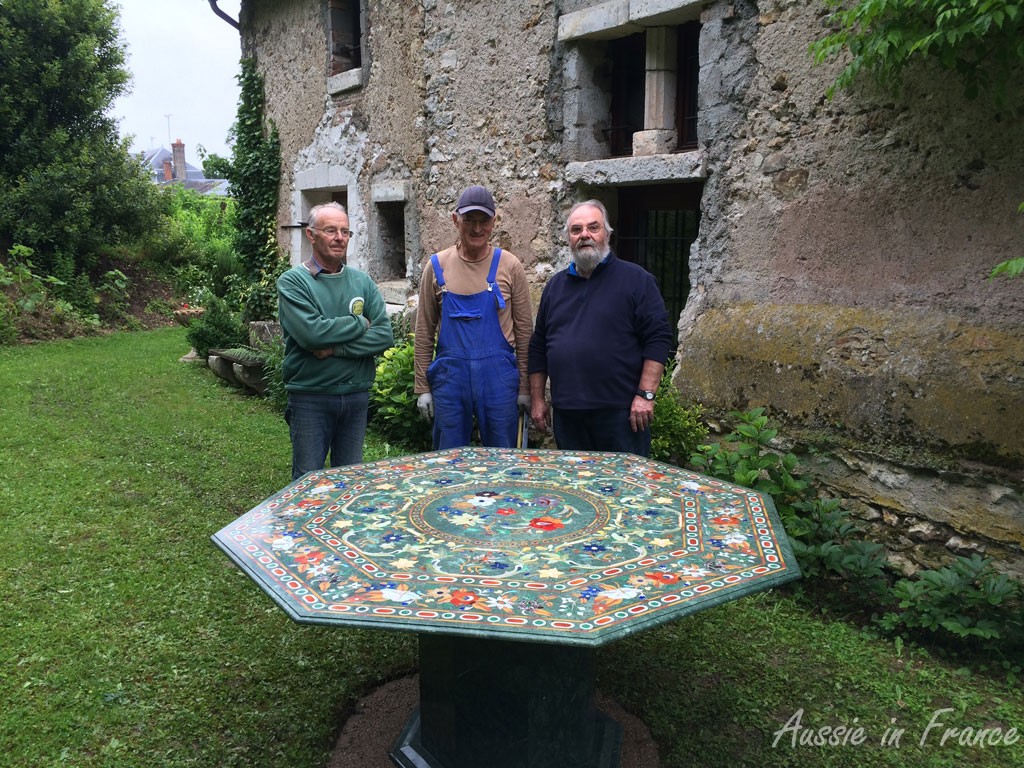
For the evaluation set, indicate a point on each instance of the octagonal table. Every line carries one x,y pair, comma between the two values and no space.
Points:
512,566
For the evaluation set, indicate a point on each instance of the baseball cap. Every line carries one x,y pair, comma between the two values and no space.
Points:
475,198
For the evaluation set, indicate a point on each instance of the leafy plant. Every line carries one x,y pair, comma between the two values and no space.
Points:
28,290
676,429
967,600
825,540
29,307
217,328
272,354
392,401
1011,267
745,457
112,294
980,40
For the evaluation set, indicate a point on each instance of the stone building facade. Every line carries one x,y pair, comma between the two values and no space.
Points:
826,259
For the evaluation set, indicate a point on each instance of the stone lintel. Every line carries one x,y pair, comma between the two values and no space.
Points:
601,22
391,191
619,18
625,171
664,12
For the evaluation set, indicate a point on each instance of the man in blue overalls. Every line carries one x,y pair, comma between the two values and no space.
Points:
473,329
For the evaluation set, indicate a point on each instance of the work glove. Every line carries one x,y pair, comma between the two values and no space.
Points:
524,403
425,404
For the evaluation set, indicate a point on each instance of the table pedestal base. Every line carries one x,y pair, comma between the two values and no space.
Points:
506,704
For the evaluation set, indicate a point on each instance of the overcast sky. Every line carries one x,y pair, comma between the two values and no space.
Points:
184,63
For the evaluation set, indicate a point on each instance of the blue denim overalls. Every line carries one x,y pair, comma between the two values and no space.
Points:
474,372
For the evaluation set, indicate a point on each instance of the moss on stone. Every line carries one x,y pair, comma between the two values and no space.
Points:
925,386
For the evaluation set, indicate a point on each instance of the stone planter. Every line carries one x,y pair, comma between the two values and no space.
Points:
183,317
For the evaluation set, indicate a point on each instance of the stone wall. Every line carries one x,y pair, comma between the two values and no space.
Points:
839,277
840,280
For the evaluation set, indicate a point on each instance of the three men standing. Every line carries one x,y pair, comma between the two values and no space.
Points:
474,306
602,336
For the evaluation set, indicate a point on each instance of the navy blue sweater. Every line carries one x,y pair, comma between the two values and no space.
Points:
592,335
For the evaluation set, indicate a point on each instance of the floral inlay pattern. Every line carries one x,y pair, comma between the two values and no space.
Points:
553,545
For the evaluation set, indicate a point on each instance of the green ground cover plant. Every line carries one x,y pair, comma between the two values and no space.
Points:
966,609
127,639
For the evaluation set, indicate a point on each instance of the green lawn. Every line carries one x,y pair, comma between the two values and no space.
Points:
128,639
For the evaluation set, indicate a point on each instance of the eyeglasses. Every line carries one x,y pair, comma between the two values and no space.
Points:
334,231
593,228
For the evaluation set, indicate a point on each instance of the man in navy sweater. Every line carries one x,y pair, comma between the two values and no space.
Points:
602,336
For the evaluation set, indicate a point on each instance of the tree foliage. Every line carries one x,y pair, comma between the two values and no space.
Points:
981,40
214,166
69,188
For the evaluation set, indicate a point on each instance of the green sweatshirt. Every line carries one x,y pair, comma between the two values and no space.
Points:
342,311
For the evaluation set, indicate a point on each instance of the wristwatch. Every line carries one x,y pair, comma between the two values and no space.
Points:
646,394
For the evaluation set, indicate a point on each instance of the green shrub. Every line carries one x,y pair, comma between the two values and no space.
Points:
217,328
825,541
964,606
745,458
32,308
26,289
77,290
967,601
676,429
196,242
823,538
392,401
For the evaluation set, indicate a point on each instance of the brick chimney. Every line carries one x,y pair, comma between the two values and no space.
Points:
168,170
178,150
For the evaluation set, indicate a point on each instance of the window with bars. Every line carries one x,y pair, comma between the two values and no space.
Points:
657,225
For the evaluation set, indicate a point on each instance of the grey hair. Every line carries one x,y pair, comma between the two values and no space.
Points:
593,204
314,212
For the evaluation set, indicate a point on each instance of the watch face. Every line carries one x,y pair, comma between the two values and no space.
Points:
647,395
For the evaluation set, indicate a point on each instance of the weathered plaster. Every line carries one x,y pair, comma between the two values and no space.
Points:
839,277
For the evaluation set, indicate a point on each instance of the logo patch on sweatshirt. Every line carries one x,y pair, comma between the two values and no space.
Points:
356,305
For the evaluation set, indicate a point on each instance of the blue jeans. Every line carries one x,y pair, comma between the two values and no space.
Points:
322,424
599,429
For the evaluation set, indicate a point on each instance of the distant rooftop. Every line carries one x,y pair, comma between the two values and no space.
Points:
169,167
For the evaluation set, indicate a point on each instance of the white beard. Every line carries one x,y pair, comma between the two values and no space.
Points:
588,256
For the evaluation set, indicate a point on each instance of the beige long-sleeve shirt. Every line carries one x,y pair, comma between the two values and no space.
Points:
469,277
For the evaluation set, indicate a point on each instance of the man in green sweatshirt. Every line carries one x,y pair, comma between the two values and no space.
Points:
334,322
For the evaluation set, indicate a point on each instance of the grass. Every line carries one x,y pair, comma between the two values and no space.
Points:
128,639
